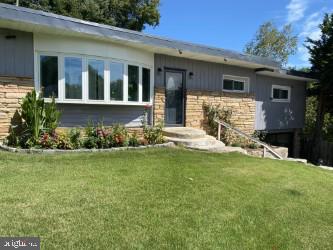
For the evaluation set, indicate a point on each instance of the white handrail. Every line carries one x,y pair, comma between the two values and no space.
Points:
228,126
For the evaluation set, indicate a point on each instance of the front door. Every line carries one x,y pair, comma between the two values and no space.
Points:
174,97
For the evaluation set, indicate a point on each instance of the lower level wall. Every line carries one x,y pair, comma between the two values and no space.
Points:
12,89
242,106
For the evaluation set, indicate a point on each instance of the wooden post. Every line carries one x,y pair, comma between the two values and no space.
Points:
219,131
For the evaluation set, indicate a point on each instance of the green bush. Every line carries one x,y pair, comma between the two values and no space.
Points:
90,142
33,115
120,136
52,116
154,134
63,142
75,138
134,140
36,117
222,114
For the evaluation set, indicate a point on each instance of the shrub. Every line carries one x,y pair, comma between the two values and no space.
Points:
75,138
47,141
222,114
120,136
52,116
36,117
90,142
33,115
154,134
90,129
63,142
134,140
12,139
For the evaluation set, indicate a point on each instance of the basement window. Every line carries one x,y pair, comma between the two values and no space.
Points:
235,84
280,93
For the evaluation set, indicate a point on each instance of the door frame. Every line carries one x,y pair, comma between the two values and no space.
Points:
175,70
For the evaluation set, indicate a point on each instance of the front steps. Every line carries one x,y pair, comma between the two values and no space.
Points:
196,139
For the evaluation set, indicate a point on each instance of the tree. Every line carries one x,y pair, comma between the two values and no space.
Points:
130,14
270,42
321,58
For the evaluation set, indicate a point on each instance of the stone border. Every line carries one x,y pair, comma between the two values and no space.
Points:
83,150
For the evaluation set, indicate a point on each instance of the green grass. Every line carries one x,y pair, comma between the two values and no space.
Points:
165,199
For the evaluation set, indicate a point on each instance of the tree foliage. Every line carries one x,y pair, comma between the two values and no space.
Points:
269,41
130,14
321,58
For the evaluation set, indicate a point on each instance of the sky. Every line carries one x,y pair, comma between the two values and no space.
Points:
230,24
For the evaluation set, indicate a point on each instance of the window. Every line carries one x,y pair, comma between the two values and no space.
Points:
73,78
133,83
235,84
49,76
96,79
145,85
84,79
280,93
116,81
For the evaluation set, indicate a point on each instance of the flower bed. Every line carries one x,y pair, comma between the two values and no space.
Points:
37,131
82,150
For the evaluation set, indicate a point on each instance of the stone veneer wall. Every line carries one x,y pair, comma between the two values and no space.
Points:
159,104
242,106
12,89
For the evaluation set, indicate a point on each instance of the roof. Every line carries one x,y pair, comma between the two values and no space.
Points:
38,21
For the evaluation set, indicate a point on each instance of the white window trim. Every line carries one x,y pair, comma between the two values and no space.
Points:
245,80
85,88
282,88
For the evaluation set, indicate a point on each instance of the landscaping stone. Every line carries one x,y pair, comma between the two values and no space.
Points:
83,150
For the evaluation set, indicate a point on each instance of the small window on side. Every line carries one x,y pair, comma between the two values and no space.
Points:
280,93
234,84
49,76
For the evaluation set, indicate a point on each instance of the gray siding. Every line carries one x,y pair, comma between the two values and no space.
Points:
17,56
80,114
207,76
278,115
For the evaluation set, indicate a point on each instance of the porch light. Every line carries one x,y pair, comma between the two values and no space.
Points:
191,74
159,70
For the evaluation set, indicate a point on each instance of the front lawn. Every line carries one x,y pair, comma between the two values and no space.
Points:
165,199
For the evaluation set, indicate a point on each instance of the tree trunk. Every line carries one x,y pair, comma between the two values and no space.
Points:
317,135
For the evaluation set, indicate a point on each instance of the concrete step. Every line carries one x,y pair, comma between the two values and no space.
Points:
220,149
183,132
198,142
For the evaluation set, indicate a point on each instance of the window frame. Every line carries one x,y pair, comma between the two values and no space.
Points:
245,80
85,79
281,87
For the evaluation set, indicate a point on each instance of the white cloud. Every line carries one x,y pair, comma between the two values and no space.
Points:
296,10
311,26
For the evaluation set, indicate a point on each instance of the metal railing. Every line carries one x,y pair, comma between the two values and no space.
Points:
241,133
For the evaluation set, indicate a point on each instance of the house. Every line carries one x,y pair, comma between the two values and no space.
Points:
100,72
